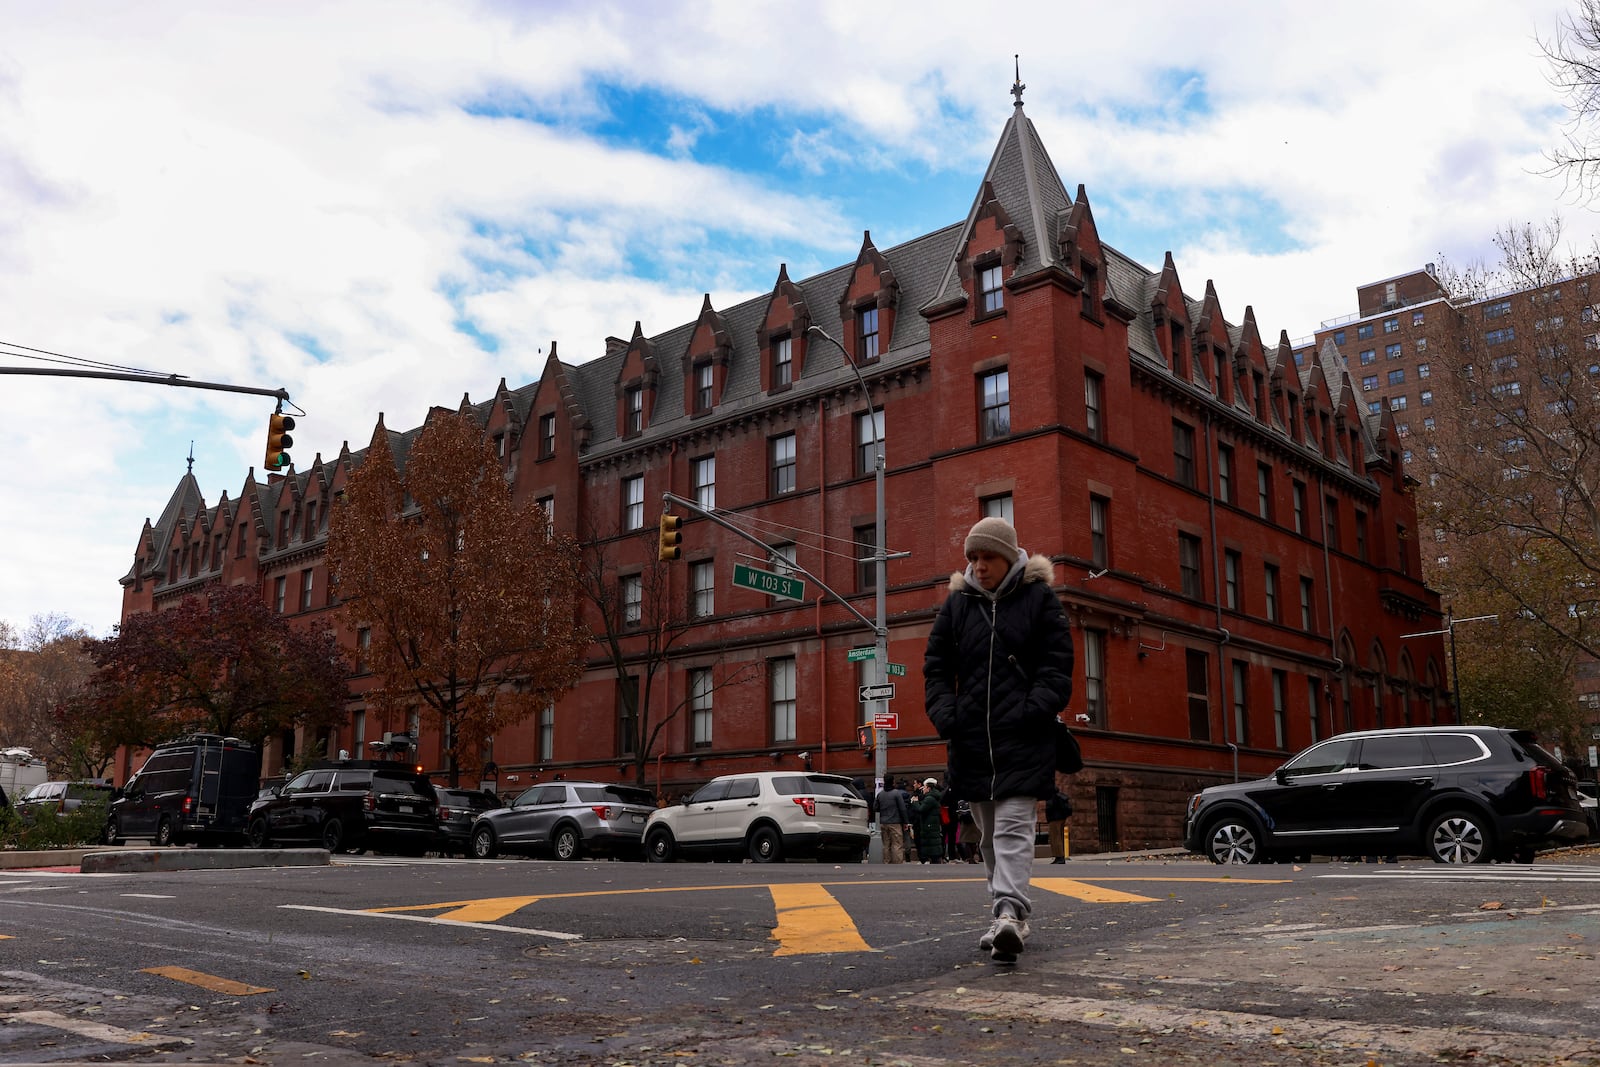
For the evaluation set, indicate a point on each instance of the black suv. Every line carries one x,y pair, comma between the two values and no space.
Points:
351,805
1457,794
457,809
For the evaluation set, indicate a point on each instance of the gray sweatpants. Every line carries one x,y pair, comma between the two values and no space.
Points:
1007,846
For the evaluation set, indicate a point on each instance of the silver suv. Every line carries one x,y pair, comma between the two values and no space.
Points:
765,816
566,820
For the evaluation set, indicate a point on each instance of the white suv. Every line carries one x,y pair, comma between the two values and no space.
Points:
767,816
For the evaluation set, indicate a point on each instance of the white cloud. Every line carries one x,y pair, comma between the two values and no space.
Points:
317,195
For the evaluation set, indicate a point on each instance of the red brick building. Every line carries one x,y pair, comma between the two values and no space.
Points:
1233,536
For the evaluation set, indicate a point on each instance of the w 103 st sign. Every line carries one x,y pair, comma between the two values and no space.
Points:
779,585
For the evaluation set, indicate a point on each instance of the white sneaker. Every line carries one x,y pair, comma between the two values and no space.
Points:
986,942
1010,937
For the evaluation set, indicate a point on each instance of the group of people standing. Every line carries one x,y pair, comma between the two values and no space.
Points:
922,821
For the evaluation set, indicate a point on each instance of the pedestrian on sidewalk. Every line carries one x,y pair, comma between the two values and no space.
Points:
1057,810
894,818
997,672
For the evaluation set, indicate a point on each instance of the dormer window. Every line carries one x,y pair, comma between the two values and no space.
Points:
311,520
547,425
633,411
866,333
283,528
782,362
992,294
1180,361
1091,291
702,386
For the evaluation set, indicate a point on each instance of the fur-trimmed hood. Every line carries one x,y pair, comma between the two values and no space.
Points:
1039,568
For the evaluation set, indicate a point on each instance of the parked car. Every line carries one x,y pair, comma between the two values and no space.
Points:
1589,797
566,820
457,809
351,805
1457,794
766,816
194,788
64,798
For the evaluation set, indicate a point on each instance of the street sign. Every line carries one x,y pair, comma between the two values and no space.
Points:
886,720
877,692
856,655
894,668
778,585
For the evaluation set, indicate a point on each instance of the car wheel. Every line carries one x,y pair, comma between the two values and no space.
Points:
766,845
164,832
257,834
567,844
483,843
1459,837
333,835
659,847
112,833
1233,839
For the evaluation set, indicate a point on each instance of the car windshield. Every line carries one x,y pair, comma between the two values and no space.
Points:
1326,758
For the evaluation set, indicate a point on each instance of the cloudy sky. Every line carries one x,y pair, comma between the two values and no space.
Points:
384,205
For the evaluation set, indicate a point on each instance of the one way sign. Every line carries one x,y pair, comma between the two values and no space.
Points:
877,692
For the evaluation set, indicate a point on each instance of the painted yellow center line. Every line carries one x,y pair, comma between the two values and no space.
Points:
1094,894
810,920
207,981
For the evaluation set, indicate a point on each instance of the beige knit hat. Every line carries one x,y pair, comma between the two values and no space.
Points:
993,535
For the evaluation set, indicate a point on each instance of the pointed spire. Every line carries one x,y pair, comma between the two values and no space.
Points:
1017,86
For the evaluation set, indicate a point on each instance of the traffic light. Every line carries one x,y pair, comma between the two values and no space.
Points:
671,539
278,441
865,738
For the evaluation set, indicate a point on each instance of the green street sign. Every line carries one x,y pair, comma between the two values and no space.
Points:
778,585
856,655
894,668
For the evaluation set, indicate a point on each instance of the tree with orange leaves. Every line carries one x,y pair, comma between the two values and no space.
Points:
469,598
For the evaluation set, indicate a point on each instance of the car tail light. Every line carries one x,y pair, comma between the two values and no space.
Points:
188,805
603,811
370,801
1539,782
807,804
444,814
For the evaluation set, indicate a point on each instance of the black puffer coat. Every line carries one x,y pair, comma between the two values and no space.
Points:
998,670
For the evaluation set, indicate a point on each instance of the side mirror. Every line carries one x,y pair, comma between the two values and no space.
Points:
1281,775
686,800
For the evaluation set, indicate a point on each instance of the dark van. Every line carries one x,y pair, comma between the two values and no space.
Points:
195,788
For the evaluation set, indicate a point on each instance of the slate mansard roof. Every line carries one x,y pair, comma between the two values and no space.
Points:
1022,180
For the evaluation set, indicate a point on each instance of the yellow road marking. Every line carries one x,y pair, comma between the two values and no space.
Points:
810,920
1094,894
207,981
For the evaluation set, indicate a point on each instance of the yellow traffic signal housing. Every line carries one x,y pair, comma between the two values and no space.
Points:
865,738
671,539
279,441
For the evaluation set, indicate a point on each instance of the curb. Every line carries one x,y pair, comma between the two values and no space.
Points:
138,860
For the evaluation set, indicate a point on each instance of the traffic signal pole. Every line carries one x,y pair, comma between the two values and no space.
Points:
178,380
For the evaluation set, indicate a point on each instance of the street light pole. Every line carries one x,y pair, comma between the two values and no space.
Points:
880,560
1450,624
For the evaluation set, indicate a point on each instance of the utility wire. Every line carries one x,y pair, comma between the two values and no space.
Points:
44,355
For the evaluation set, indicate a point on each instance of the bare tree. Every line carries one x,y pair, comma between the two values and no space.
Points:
1573,55
640,626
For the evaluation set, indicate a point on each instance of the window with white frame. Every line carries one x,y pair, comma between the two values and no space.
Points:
1241,701
993,293
1093,400
994,405
700,706
1269,586
1094,676
547,732
632,597
703,377
702,589
997,507
783,464
869,432
1313,702
633,502
780,689
866,333
782,362
1099,532
1225,473
1189,565
1308,616
1232,562
1280,709
704,479
783,558
547,435
633,410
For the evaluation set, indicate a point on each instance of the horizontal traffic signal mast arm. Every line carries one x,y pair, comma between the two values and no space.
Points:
766,551
179,380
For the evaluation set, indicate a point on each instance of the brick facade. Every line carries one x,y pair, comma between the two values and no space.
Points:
1083,383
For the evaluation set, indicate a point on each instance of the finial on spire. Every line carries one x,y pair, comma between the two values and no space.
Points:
1017,86
191,457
